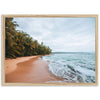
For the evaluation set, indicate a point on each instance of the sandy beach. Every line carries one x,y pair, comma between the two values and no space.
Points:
31,69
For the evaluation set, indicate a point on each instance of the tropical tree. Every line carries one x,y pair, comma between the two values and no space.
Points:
19,43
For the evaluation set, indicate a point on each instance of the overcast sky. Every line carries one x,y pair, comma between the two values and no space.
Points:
61,34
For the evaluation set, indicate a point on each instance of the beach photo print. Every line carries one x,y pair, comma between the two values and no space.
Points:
49,50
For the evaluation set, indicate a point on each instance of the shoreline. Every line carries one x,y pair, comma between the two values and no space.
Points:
30,69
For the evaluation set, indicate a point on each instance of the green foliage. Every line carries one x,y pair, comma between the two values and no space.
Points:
19,43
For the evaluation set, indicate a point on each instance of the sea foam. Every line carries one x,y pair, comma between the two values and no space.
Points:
73,67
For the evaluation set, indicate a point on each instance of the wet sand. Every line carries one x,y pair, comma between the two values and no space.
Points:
28,70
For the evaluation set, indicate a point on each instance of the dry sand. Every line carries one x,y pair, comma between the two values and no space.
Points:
28,70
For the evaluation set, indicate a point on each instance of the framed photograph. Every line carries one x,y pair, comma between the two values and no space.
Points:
50,50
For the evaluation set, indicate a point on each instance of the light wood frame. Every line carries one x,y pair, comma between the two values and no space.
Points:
51,84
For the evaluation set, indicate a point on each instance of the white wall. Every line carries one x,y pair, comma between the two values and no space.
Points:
49,92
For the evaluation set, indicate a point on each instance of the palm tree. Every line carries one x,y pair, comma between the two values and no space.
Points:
19,43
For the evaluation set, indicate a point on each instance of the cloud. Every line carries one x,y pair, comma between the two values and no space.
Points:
61,34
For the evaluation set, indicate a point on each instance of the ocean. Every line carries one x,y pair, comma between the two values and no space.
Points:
75,67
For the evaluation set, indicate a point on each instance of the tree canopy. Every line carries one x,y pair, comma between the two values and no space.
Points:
19,43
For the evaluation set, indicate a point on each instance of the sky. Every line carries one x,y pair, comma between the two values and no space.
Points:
61,34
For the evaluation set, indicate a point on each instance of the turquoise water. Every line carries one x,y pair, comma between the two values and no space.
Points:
77,67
